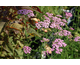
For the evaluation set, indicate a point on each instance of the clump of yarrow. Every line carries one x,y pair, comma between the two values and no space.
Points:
57,44
57,22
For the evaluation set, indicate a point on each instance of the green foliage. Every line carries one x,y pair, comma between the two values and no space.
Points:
76,19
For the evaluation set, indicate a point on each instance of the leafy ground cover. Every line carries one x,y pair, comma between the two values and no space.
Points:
39,35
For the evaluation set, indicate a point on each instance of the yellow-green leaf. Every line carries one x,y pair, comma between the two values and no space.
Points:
1,42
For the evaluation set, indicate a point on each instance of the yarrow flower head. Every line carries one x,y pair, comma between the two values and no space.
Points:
77,38
27,49
45,40
68,14
30,15
64,20
47,18
71,28
44,24
57,44
54,19
49,14
38,25
28,12
63,33
58,15
56,22
55,25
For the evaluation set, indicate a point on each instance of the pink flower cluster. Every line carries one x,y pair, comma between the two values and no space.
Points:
44,53
63,33
38,25
49,14
64,20
44,24
55,19
24,11
77,38
71,28
56,22
68,14
58,15
54,25
57,44
47,18
27,49
45,40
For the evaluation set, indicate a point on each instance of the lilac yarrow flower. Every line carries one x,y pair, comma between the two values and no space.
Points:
38,25
58,51
54,19
63,33
58,15
27,49
58,40
68,14
58,20
58,27
55,25
24,11
71,28
66,32
47,18
64,44
49,14
77,38
52,49
45,25
41,22
47,21
62,24
64,20
45,40
30,15
29,11
57,44
20,12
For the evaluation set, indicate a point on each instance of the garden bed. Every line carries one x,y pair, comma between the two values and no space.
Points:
38,33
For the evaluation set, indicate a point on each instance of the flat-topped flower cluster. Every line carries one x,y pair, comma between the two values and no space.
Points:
26,12
57,22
